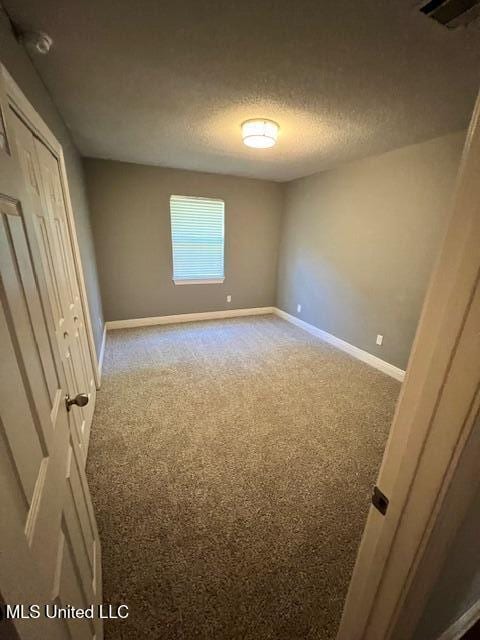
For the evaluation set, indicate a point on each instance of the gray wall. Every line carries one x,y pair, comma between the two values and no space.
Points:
131,222
359,242
13,56
457,588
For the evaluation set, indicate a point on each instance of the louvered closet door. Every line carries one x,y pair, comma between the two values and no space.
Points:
42,177
49,544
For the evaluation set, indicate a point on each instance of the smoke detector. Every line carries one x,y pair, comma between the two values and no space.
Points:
37,41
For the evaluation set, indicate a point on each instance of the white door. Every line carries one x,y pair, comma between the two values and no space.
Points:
49,543
41,173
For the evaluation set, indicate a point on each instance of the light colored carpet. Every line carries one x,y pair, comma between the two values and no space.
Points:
231,464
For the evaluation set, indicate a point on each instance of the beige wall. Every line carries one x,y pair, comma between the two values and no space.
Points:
131,223
359,243
18,64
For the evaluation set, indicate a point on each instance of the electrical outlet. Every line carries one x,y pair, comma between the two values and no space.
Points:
379,340
229,298
299,308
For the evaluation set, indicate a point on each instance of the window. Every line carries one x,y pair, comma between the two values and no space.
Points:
198,237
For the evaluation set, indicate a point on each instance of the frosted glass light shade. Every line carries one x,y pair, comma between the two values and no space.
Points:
260,133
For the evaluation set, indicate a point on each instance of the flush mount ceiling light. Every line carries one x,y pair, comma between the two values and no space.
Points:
260,133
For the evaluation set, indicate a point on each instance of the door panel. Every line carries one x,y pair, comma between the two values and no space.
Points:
40,169
50,181
39,460
49,543
36,397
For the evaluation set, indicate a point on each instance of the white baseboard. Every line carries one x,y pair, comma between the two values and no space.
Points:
463,624
102,352
187,317
364,356
360,354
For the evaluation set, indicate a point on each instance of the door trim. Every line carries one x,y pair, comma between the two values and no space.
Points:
463,624
102,351
430,468
25,110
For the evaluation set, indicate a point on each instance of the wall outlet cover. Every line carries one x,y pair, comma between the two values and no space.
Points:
379,339
229,298
299,308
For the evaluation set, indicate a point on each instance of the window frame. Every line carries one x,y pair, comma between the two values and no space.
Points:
183,282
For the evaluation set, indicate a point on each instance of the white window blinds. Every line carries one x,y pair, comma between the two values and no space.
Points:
198,236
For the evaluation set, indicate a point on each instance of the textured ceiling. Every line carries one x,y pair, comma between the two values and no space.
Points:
169,82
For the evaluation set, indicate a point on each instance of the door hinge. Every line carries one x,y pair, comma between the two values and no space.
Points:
379,500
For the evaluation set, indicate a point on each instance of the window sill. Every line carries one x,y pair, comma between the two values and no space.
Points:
214,281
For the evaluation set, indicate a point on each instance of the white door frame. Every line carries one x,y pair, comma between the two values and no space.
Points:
430,467
20,103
